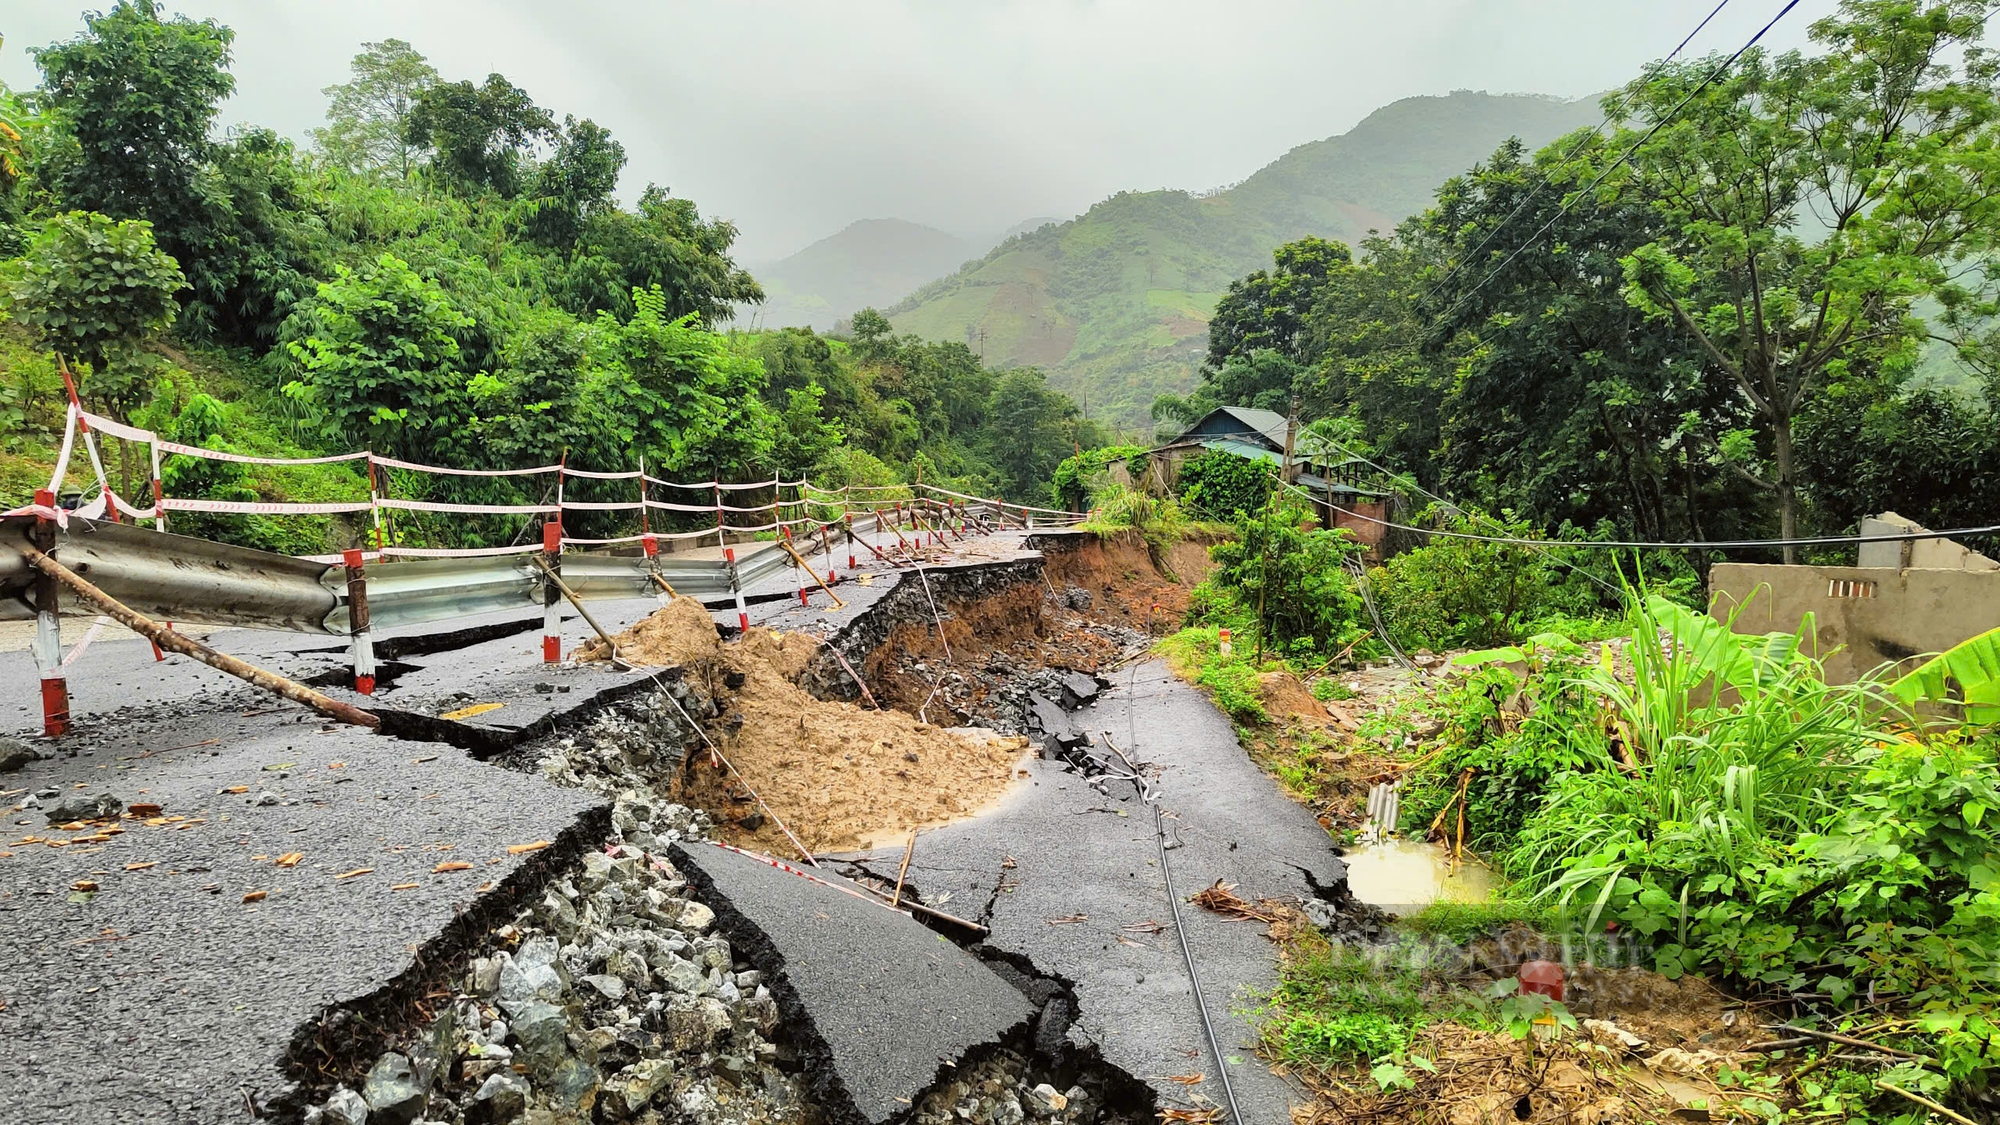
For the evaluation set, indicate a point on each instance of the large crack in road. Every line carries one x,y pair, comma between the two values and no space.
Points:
164,995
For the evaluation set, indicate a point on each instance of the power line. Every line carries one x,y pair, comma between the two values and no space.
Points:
1623,157
1695,545
1598,131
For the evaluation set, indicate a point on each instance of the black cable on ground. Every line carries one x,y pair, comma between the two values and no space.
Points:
1148,795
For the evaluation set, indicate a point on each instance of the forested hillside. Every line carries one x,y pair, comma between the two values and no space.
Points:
869,263
445,275
1116,302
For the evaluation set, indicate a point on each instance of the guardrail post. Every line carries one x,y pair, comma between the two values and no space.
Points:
847,522
736,588
48,629
551,596
357,623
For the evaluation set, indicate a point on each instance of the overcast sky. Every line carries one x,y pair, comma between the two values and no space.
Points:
796,117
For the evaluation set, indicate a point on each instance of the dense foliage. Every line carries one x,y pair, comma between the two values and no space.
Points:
1720,339
445,276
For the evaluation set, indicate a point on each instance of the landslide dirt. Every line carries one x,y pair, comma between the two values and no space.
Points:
1129,585
840,775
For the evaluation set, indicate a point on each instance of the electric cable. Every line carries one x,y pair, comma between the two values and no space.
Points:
1150,796
1597,131
1662,123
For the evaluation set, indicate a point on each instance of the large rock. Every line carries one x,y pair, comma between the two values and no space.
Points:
542,1029
393,1092
500,1099
345,1107
85,808
15,754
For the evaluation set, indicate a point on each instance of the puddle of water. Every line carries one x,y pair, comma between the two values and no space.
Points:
1408,874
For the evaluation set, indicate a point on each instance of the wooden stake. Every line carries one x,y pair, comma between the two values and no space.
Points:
902,872
617,661
178,642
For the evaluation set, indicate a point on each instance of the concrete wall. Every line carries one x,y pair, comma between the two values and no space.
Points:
1917,554
1873,615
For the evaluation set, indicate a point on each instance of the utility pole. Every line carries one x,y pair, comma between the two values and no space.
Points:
1284,478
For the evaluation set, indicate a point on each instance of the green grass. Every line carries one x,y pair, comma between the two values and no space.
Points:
1464,921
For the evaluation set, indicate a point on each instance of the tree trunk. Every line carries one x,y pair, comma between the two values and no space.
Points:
1785,463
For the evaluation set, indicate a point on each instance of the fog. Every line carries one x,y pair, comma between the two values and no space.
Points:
795,117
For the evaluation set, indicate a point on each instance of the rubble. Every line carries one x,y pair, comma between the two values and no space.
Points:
611,999
1009,1088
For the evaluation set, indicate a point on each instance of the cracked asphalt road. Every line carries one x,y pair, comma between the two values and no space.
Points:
1071,871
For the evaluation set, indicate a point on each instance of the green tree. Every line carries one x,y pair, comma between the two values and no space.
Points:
1813,199
96,289
132,100
1269,308
477,134
1029,432
378,353
575,184
368,116
1217,484
683,395
665,245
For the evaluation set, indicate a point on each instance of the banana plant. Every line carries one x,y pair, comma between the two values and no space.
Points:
1973,666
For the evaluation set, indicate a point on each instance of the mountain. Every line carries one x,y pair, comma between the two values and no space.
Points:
1115,303
871,262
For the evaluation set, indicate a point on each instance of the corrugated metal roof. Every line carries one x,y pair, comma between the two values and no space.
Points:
1243,449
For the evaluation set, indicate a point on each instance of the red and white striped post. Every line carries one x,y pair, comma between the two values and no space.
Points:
363,643
552,597
48,628
729,559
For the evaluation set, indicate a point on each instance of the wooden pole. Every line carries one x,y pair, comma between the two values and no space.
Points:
176,642
837,603
903,872
617,661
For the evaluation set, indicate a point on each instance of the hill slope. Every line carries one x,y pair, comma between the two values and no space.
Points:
1115,303
869,263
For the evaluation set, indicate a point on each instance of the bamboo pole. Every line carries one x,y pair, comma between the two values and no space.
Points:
178,642
617,661
663,584
903,872
837,603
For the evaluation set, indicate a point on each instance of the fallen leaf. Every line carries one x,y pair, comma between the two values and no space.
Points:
235,789
55,843
143,809
73,826
468,712
281,766
404,887
520,849
336,765
1188,1079
451,865
1069,921
353,873
290,859
83,885
260,857
255,896
142,866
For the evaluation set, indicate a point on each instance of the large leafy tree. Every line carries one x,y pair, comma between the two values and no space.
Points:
574,185
378,353
97,289
132,100
1813,199
1269,308
1557,398
478,135
368,116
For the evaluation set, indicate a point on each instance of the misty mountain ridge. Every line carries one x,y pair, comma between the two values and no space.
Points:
1115,303
870,262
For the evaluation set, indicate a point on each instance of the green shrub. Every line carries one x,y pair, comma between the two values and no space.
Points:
1298,577
1453,593
1083,474
1223,486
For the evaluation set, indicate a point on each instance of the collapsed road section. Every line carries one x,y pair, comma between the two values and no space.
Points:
270,917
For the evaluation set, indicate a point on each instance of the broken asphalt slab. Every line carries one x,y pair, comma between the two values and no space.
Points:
877,1004
1070,867
163,996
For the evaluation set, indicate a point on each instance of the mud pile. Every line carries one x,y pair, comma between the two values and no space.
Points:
841,776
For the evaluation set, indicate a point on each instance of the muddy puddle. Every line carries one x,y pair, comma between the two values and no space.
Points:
1402,875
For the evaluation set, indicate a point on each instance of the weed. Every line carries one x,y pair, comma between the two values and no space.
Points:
1463,921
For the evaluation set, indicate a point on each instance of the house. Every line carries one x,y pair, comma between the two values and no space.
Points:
1341,496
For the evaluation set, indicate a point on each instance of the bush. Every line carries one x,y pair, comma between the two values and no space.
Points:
1079,476
1308,597
1455,593
1221,485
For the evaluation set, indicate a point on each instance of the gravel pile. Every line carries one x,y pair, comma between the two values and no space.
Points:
1005,1089
640,744
611,999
